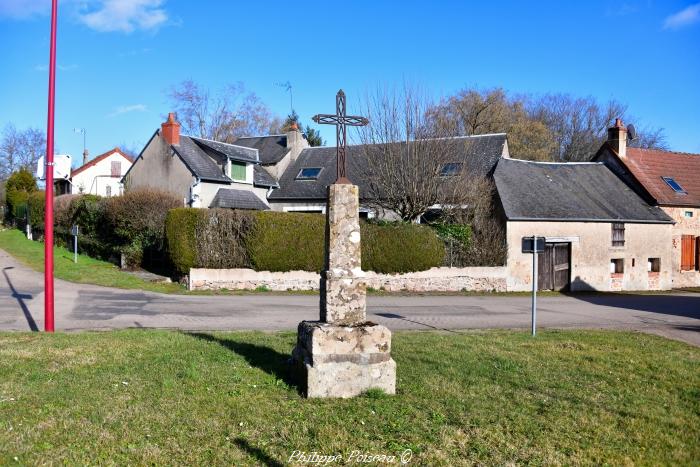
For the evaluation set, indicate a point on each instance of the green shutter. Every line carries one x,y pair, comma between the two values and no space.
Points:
238,171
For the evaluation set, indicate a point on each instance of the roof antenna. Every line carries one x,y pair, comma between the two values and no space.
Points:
288,87
631,132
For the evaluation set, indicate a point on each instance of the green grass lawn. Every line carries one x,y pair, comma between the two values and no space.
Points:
496,397
86,271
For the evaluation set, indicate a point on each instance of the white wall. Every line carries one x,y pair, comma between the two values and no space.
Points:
98,180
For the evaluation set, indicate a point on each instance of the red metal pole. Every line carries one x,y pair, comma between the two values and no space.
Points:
48,225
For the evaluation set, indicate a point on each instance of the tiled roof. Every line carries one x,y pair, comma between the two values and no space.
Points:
588,191
99,158
479,156
649,166
271,148
237,199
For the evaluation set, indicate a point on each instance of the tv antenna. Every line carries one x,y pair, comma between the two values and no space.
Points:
631,132
288,87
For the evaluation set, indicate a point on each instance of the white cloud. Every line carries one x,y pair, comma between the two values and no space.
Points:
125,15
124,109
685,17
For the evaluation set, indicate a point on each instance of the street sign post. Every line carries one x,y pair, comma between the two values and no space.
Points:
533,245
74,233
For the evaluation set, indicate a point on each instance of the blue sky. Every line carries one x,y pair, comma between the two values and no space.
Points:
118,57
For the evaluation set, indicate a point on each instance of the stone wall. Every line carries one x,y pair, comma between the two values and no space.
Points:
433,280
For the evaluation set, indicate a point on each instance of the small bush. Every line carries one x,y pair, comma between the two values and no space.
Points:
35,209
17,189
283,241
400,247
136,221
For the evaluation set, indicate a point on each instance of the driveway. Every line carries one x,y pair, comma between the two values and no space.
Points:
80,306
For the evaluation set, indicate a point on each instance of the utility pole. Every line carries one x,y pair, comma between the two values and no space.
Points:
48,218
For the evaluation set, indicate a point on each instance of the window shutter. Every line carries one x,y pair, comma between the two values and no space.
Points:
688,253
116,168
238,171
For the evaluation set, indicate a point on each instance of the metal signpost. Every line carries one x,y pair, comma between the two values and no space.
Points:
74,233
533,245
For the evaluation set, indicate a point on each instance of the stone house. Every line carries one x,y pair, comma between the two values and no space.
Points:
670,180
207,173
599,233
100,176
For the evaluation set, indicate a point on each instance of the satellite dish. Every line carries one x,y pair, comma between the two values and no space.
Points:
631,131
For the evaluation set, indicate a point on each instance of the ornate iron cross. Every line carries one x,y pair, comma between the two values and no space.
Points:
341,122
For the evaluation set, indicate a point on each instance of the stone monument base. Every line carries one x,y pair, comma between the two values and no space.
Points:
343,361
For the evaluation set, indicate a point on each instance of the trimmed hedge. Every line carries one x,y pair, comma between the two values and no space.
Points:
281,241
277,241
400,247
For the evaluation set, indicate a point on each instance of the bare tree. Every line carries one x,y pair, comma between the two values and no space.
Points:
20,149
405,157
231,113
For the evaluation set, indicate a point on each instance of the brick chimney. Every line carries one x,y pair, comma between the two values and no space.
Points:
170,130
617,138
86,155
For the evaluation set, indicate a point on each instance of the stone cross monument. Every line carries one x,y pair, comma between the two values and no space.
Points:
342,354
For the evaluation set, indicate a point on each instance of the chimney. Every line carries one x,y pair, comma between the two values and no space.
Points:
85,156
293,135
170,130
617,138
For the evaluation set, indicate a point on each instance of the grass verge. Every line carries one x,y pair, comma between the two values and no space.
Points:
496,397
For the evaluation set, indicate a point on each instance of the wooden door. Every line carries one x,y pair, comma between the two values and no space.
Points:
554,267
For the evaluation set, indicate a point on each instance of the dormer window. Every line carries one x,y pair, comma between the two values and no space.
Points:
451,169
309,173
238,171
675,186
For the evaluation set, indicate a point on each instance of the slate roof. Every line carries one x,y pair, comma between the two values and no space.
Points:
586,191
232,151
649,166
262,178
480,155
237,199
198,162
271,149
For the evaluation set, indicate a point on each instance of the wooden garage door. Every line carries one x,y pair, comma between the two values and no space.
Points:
554,267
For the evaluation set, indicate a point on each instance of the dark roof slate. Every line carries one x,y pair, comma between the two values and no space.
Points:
237,199
271,149
480,155
569,192
198,162
262,178
232,151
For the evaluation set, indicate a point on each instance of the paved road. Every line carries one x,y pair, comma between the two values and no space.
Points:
81,306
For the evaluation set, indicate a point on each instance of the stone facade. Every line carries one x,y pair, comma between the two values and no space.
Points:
444,279
592,252
343,355
687,223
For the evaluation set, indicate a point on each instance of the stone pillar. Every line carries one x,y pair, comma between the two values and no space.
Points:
343,292
342,354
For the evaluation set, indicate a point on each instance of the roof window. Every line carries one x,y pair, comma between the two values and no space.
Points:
675,186
309,173
450,169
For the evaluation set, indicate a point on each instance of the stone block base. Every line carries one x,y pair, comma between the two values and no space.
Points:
343,361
